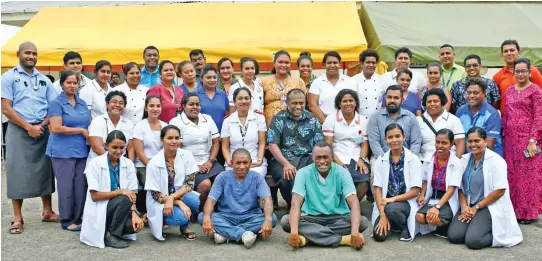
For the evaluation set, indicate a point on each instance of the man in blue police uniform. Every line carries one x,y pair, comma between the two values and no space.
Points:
26,94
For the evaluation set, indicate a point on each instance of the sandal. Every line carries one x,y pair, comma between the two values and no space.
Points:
190,236
51,217
16,227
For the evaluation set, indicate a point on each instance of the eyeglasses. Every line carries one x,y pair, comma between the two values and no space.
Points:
521,72
474,66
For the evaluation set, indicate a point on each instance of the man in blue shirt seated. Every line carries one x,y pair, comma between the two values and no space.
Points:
239,215
478,113
325,208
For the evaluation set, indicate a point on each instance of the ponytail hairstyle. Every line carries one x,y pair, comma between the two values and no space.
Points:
147,100
276,56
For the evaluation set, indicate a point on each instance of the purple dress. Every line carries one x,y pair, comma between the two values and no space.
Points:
521,122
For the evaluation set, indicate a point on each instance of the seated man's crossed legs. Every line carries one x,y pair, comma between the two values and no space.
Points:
325,230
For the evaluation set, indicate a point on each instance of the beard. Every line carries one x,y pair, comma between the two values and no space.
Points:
393,109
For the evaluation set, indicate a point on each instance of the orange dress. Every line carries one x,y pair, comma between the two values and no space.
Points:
272,93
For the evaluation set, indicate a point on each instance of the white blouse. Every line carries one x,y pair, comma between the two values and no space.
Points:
101,126
197,139
326,92
347,139
94,96
256,102
150,139
233,128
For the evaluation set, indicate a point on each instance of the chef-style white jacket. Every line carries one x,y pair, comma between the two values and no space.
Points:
157,180
413,178
454,175
95,212
505,228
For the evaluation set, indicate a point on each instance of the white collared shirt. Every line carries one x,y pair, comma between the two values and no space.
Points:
101,126
370,93
326,92
150,139
256,102
344,135
135,104
82,83
445,120
231,128
94,96
197,139
416,84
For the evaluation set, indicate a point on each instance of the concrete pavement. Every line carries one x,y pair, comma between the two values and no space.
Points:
47,241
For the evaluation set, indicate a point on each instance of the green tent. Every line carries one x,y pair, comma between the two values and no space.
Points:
470,27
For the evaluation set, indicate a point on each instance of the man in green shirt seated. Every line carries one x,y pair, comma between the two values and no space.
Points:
325,208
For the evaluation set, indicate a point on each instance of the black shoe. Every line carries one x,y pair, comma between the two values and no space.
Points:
442,232
405,236
115,242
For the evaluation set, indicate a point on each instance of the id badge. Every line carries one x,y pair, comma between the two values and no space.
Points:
282,99
433,202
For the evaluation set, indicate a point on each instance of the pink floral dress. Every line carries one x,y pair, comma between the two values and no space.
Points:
522,121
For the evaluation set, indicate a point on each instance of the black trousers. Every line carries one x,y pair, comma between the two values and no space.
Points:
476,235
397,214
119,216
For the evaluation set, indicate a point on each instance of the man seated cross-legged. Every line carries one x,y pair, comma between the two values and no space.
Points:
239,216
325,208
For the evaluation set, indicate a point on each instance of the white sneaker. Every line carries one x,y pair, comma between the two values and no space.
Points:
220,239
248,239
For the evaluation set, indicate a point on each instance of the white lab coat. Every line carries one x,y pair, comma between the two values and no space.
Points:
454,175
413,178
157,180
95,212
505,228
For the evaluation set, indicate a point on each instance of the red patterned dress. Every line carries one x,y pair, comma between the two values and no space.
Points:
522,121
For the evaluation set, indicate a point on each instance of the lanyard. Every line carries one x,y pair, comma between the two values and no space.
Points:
449,77
243,131
470,173
280,85
442,171
174,97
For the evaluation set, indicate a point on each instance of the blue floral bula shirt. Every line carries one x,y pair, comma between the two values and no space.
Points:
295,137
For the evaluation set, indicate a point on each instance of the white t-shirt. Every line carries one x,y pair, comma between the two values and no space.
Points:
370,93
256,102
101,126
135,105
150,138
416,84
94,96
233,128
197,139
445,120
347,139
326,92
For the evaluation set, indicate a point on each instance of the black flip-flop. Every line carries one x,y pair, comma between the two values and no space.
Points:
190,236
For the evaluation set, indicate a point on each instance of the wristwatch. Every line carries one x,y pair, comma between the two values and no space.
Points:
212,160
477,206
532,141
437,206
